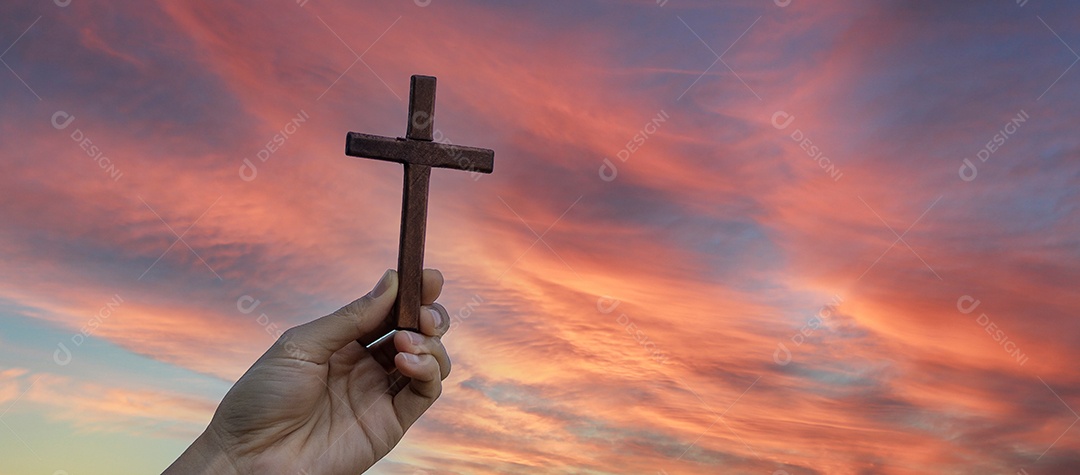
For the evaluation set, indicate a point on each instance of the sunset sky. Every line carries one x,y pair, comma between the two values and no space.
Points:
763,237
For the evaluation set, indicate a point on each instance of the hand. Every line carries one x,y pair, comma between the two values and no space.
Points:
318,402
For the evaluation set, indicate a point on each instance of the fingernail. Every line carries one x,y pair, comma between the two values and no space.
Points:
437,316
414,338
382,286
411,358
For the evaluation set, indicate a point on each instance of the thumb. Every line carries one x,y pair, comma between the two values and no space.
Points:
318,339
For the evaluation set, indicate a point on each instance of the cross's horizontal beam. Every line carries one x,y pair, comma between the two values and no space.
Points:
418,152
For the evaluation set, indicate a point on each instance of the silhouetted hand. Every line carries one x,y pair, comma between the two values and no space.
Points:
318,402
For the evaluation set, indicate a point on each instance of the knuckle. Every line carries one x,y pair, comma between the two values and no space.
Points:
287,336
288,343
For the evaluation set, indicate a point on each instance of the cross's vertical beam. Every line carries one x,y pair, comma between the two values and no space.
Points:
421,108
414,198
411,245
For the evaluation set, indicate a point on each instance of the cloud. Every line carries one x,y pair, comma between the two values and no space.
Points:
96,408
724,300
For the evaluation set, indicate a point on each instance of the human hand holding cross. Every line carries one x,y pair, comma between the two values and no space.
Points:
320,400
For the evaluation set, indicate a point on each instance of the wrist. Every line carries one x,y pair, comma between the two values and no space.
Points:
206,455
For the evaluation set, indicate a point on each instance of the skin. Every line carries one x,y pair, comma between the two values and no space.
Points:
318,402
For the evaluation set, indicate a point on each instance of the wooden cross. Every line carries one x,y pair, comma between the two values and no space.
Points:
419,154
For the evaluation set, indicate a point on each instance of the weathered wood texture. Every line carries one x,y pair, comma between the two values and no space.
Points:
419,153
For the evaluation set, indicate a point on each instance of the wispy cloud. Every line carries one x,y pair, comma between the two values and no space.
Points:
768,265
